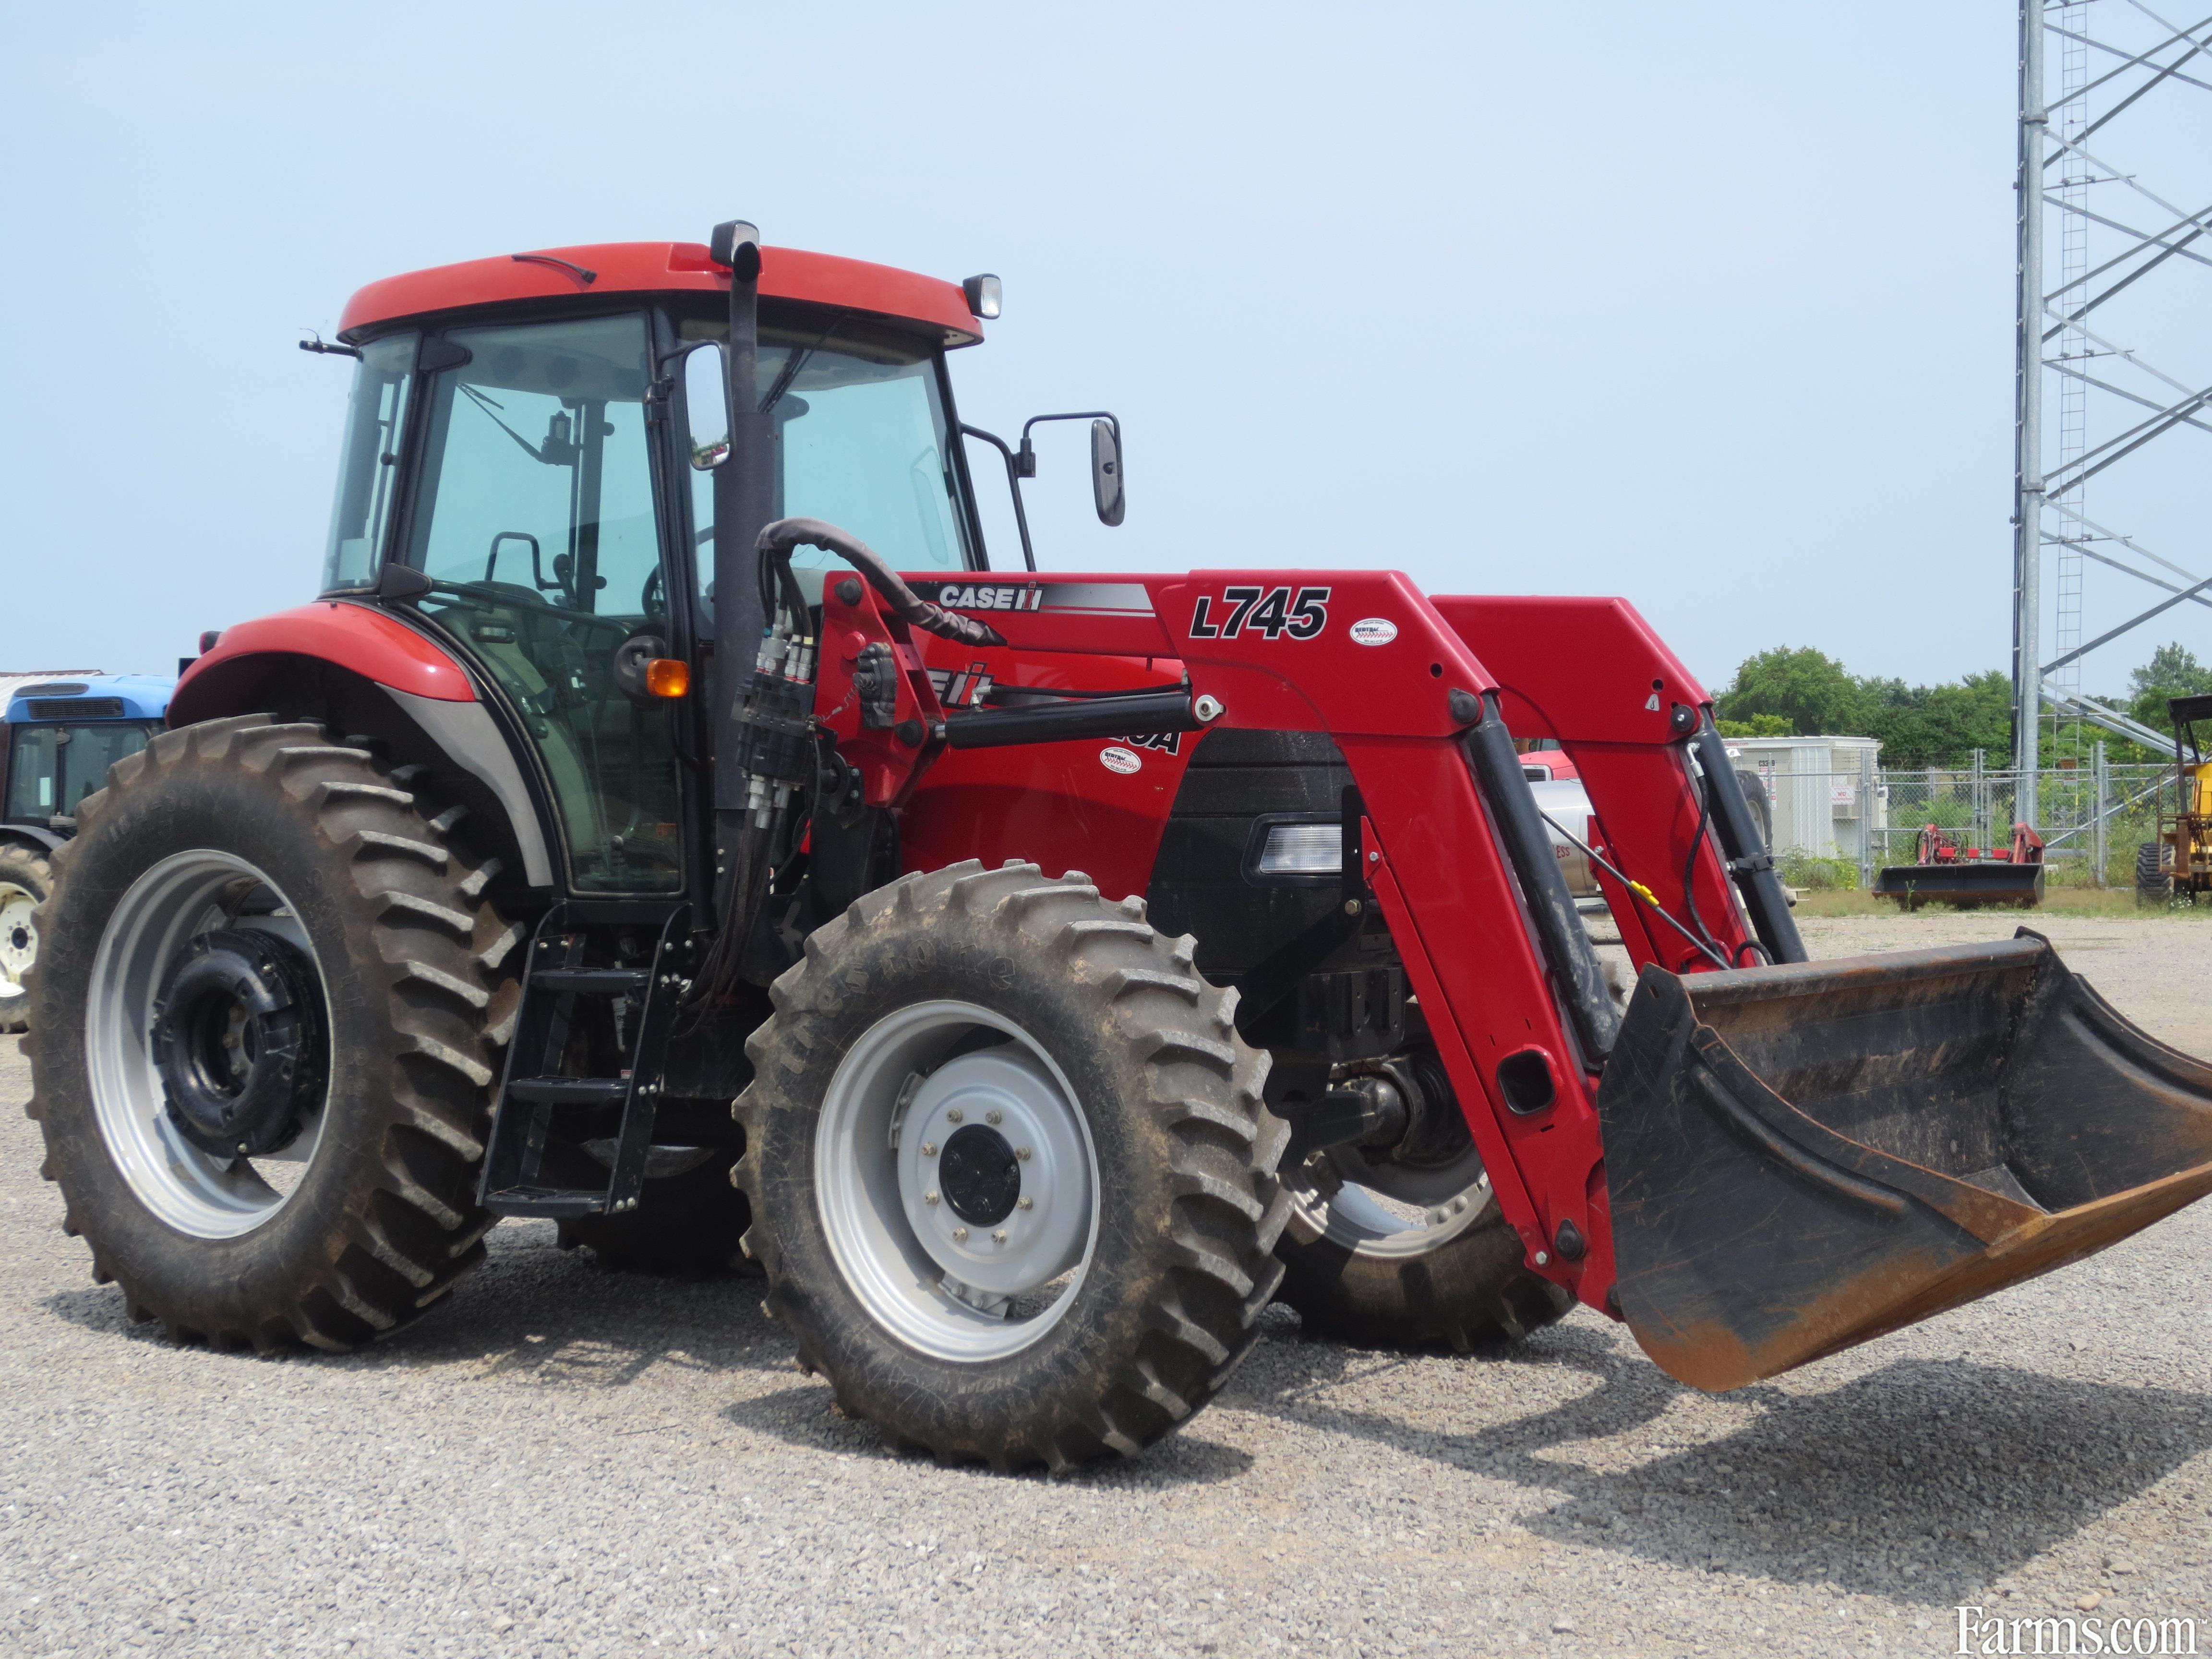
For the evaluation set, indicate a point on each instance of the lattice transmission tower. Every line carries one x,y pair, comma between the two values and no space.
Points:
2104,162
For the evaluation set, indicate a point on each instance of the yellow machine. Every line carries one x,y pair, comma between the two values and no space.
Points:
2178,864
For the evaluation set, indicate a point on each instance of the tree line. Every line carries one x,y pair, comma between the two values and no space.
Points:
1797,691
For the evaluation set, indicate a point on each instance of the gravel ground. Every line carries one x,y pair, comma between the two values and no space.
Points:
563,1461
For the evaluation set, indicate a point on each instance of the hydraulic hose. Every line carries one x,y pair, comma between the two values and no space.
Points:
777,540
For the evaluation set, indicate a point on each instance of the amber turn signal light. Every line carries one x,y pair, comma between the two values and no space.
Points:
667,677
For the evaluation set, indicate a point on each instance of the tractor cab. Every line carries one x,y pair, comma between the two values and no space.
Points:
58,738
533,468
522,447
59,735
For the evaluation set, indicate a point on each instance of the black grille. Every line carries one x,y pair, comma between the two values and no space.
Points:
76,708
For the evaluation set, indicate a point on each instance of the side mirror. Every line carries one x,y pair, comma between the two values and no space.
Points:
707,404
1106,471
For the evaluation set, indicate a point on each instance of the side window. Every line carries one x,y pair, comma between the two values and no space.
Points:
33,773
368,462
51,768
535,524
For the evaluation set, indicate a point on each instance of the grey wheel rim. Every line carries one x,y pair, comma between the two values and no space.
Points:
195,1192
19,941
1387,1210
962,1287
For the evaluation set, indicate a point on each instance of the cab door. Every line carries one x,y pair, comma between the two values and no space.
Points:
535,519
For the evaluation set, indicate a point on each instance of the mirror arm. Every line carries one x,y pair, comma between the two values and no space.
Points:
1014,476
1105,415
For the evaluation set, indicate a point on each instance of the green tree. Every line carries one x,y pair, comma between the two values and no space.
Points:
2171,671
1759,726
1928,725
1813,692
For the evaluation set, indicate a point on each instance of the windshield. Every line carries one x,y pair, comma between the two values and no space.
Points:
861,441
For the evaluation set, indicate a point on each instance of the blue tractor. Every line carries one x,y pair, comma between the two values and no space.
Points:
57,738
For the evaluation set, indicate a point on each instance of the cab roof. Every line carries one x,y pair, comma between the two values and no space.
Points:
662,268
90,697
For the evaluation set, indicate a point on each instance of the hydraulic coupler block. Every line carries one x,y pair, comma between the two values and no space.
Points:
775,750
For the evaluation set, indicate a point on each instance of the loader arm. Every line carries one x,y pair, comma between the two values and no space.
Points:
1760,1160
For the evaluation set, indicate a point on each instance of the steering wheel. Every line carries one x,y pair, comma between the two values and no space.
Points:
652,600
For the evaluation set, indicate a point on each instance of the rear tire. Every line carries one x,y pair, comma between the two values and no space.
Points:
1144,1148
245,824
2154,881
26,881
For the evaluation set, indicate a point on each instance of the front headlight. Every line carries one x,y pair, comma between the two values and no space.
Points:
1301,849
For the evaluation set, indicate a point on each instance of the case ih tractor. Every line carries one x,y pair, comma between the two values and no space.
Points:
669,822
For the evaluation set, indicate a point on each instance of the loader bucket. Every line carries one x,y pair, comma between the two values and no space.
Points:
1969,886
1801,1157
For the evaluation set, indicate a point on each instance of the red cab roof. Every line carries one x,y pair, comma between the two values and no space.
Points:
660,268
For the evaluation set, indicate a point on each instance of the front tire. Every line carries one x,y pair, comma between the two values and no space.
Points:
1011,1174
26,883
346,1219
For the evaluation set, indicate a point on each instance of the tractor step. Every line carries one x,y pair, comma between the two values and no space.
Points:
593,982
569,1090
528,1170
549,1203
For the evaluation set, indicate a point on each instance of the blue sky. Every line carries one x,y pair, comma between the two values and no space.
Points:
1708,305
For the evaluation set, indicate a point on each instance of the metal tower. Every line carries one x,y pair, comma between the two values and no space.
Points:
2112,398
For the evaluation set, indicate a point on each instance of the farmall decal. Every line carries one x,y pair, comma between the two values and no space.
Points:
1168,743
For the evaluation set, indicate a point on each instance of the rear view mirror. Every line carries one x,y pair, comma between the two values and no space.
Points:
1106,471
707,404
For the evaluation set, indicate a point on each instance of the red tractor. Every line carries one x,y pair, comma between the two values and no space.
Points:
669,822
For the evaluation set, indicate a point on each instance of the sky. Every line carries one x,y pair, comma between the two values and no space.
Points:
1708,305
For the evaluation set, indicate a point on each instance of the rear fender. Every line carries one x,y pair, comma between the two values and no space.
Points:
360,671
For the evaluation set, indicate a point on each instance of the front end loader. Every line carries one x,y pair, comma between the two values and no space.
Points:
667,822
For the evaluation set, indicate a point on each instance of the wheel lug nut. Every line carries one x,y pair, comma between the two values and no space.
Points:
959,1234
953,1116
1025,1202
1023,1153
993,1118
999,1236
930,1197
929,1149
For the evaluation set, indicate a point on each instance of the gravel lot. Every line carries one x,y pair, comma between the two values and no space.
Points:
564,1460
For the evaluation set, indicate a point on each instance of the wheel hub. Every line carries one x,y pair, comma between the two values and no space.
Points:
238,1041
983,1131
958,1187
981,1177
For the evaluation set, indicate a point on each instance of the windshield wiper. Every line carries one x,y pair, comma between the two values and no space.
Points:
798,360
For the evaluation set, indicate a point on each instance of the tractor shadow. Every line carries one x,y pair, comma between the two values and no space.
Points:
532,1311
1922,1481
804,1416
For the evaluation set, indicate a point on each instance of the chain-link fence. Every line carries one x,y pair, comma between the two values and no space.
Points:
1835,828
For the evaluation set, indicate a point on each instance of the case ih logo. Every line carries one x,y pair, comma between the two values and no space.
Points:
1269,611
972,596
